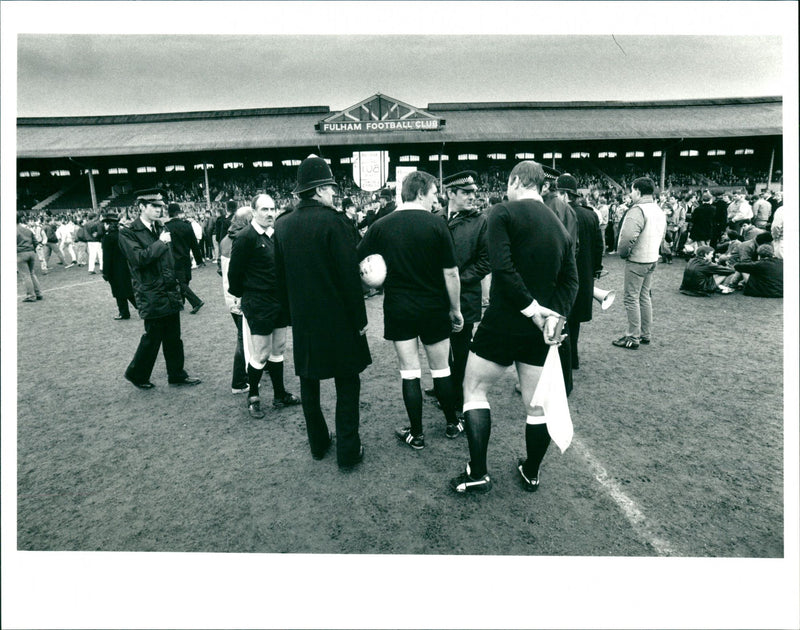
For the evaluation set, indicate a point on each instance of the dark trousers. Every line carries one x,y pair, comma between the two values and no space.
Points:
348,442
122,306
459,348
574,332
158,332
239,374
187,293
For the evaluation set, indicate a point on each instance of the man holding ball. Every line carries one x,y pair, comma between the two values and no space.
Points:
422,298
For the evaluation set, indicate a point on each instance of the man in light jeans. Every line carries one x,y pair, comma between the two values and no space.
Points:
640,237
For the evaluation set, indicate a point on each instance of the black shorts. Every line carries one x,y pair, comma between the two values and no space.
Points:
263,313
431,327
505,349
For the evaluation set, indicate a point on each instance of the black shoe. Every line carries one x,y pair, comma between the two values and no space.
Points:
465,483
39,297
189,380
644,340
629,343
287,400
118,317
254,407
531,484
197,308
359,458
452,431
430,392
324,452
145,385
29,299
417,442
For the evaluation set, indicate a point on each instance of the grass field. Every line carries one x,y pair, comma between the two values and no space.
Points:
689,430
678,447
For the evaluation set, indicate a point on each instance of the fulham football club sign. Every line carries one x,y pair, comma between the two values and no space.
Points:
379,113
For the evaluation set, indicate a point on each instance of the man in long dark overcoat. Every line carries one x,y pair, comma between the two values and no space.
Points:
158,297
184,243
588,258
115,267
318,281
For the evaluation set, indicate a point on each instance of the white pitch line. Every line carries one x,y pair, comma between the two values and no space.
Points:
635,517
66,286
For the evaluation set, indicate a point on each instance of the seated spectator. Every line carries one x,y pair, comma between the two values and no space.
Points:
766,274
745,251
702,277
749,231
665,249
777,232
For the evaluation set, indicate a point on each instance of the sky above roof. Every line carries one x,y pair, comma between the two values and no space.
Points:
108,71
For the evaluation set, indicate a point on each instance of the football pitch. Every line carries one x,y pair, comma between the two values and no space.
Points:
678,448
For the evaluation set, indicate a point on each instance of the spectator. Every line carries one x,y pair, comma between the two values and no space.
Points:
81,243
739,209
240,222
115,267
94,233
183,244
639,241
765,274
26,261
762,210
777,233
702,224
702,277
66,240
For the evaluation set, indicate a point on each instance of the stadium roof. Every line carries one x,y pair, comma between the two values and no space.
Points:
463,123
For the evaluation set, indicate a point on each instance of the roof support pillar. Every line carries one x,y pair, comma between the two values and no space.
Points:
771,164
208,190
92,191
663,169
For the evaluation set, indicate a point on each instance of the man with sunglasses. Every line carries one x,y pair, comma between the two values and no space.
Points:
158,297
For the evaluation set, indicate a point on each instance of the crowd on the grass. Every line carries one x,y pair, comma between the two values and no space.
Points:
727,222
294,260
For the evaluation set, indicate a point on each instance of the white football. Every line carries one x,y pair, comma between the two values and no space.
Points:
373,270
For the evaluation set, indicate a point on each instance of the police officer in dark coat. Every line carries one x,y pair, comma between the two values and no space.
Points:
588,258
318,281
158,297
115,267
183,243
468,228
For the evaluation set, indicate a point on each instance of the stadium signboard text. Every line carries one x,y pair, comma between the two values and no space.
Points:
371,126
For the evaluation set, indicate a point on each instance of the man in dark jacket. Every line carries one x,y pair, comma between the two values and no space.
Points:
251,276
386,199
319,284
588,259
157,293
222,224
115,267
468,229
182,244
94,235
766,274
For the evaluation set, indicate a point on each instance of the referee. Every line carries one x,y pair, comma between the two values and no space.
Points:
421,300
534,283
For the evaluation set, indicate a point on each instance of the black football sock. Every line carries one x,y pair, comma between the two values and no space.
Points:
412,397
478,426
253,379
444,392
275,371
537,439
